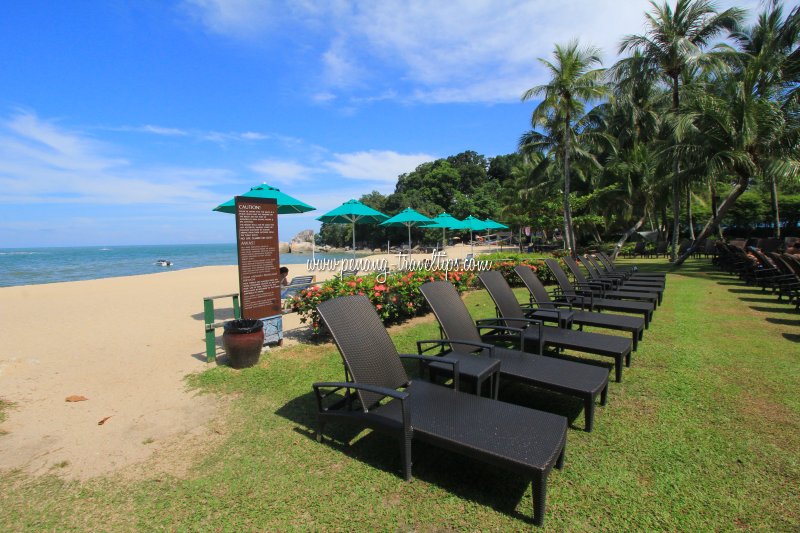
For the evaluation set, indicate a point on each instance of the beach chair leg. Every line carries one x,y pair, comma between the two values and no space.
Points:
618,368
539,487
604,395
588,414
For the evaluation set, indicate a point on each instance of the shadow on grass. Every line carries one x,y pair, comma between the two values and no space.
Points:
783,310
765,299
499,489
783,321
791,337
748,291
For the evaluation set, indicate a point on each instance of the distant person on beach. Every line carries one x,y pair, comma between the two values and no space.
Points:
284,276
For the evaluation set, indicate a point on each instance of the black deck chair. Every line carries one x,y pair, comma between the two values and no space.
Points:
546,309
558,375
509,309
620,282
586,299
631,272
605,289
503,435
790,284
297,284
628,278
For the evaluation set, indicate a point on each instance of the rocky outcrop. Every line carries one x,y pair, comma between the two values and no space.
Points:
283,247
301,247
302,243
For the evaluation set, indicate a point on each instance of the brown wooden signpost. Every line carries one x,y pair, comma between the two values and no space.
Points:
259,258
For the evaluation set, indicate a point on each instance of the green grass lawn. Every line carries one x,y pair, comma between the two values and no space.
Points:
702,434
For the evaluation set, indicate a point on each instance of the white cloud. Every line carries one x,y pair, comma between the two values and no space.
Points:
253,136
376,165
457,51
282,171
43,162
159,130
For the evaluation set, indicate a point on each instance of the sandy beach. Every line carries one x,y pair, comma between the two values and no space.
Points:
126,344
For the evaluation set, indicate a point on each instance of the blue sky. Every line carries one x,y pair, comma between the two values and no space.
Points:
126,122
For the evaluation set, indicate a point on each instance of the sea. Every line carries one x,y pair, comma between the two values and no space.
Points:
31,266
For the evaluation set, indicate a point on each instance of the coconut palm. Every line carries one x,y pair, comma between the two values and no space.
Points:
674,40
728,128
767,49
573,83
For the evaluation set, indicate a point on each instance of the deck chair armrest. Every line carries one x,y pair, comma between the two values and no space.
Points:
437,359
588,288
338,385
489,321
334,386
581,300
481,345
518,331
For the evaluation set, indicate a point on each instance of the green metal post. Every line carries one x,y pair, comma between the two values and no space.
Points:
237,312
208,318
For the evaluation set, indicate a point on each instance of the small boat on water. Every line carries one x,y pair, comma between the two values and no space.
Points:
164,263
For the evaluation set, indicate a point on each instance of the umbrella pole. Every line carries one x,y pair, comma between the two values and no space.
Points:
409,237
354,238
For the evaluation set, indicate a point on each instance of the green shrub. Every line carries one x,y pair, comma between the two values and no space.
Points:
397,296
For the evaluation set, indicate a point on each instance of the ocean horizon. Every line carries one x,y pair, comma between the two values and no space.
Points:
34,266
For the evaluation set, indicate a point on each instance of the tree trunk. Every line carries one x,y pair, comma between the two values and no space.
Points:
676,197
626,236
596,235
689,211
568,233
773,190
738,189
713,189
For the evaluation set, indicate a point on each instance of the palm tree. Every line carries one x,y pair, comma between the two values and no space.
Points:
673,41
727,128
635,120
767,47
573,83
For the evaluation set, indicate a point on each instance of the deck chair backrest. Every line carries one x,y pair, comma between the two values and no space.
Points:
598,265
368,352
504,299
606,261
794,262
590,267
661,247
781,263
575,269
452,314
765,261
711,246
534,285
560,275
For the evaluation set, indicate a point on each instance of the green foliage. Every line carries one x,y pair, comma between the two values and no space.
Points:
396,296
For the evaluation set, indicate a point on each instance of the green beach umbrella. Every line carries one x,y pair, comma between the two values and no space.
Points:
473,224
353,212
445,221
286,204
491,224
407,217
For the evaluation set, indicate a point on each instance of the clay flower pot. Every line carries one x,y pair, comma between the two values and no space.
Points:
243,340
